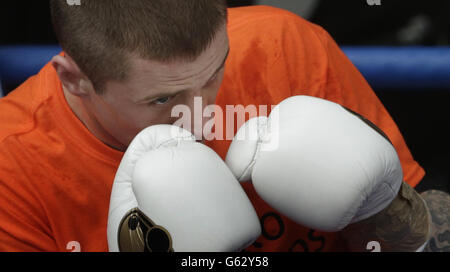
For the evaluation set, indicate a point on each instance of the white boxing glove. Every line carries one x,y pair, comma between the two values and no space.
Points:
317,163
171,193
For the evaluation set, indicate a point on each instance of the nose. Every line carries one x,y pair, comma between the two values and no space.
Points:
197,104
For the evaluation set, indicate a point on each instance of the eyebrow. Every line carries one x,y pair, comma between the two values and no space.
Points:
154,96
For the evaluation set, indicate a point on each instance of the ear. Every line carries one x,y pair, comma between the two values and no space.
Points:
70,74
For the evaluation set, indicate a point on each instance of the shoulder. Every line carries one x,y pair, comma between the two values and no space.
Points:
19,122
257,14
18,108
266,20
274,52
273,33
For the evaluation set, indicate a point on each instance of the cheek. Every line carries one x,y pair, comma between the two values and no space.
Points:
105,111
148,116
131,117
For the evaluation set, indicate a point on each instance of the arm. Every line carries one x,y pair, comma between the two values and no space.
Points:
438,204
332,171
337,79
23,227
405,225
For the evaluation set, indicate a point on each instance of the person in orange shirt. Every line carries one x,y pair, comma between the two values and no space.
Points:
124,67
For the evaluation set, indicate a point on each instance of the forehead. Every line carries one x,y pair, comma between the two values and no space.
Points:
154,74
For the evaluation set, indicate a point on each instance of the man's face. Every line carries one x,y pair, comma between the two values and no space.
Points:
155,88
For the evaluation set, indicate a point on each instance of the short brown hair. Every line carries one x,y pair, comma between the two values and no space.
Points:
100,34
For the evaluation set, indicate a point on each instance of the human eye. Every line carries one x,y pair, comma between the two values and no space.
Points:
162,101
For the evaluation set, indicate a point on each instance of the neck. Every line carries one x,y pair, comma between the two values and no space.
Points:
91,122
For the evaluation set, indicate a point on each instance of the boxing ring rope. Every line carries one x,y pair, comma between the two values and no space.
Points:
405,68
393,68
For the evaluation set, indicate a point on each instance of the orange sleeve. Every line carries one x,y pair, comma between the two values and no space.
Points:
338,80
23,225
19,233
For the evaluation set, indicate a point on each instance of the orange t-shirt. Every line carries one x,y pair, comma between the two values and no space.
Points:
56,177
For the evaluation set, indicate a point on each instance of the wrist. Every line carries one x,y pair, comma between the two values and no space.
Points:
404,225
